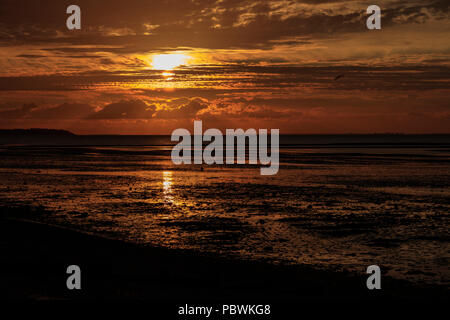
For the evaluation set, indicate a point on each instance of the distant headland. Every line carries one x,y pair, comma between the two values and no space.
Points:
35,132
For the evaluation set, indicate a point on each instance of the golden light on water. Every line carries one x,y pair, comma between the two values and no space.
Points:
167,186
169,61
167,181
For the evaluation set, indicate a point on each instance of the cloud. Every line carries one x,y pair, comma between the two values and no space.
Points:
125,109
201,23
64,111
18,113
184,111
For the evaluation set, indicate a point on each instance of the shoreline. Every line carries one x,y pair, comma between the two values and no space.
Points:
35,257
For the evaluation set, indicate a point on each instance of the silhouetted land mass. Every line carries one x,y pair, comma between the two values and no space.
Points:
35,131
35,136
56,137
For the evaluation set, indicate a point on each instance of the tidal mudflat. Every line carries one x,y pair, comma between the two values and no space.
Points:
328,208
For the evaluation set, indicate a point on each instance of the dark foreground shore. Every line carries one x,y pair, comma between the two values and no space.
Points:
35,257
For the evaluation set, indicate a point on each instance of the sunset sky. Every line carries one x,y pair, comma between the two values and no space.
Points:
149,67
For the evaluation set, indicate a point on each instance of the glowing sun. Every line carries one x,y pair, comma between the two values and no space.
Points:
169,61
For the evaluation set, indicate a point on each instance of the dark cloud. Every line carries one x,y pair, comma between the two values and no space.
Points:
64,111
184,111
251,112
31,56
18,113
143,26
125,109
265,78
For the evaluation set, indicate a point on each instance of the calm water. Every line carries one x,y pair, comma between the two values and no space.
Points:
331,206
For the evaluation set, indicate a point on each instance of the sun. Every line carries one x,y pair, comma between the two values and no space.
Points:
169,61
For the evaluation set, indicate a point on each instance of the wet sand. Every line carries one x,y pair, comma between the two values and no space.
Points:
337,211
141,228
35,257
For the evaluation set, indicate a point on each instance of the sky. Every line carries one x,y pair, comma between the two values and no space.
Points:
149,67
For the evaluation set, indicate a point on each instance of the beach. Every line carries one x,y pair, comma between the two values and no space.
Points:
129,214
35,257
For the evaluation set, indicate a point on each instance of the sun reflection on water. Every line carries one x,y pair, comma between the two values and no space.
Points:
167,185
